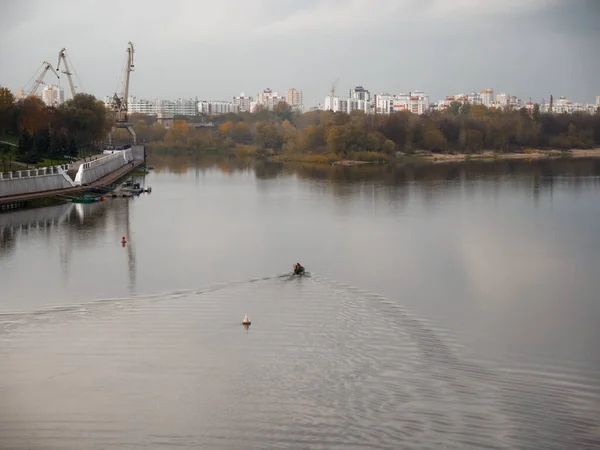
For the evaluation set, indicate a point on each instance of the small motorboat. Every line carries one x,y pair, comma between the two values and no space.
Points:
246,321
133,188
298,269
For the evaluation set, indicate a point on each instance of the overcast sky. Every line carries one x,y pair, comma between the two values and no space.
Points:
216,49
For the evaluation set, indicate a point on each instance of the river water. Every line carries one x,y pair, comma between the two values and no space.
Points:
446,306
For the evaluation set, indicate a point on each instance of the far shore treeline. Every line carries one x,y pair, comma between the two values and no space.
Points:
281,134
324,136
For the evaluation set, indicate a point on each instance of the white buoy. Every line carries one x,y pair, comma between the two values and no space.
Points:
246,321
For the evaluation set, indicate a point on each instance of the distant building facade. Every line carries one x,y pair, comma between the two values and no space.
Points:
216,107
487,96
360,93
563,105
293,97
416,102
268,99
184,107
346,105
53,95
243,102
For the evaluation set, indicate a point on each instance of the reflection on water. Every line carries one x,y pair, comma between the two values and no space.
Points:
483,332
66,228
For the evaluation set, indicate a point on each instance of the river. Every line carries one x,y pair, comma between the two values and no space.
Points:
446,306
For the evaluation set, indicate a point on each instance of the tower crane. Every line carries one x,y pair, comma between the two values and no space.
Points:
333,86
40,79
119,103
62,56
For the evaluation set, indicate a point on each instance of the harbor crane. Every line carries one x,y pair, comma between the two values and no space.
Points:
40,79
118,105
62,56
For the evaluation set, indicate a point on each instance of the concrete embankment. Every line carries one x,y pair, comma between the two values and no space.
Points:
52,179
104,181
35,180
94,170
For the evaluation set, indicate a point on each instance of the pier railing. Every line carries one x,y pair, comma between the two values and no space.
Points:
30,173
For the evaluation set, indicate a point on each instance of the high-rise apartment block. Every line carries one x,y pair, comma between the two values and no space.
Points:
293,97
242,102
53,95
268,99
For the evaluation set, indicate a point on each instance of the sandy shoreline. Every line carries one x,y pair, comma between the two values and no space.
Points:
535,154
350,162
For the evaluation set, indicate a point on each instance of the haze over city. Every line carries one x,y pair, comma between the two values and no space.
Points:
215,50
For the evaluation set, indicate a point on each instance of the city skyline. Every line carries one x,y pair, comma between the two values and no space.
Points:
358,98
531,49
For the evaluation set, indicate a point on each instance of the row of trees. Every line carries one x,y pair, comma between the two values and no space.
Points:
462,128
48,132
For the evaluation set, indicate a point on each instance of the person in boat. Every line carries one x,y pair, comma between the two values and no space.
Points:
298,269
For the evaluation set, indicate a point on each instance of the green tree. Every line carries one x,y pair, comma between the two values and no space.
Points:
42,142
25,143
396,127
283,111
84,119
72,149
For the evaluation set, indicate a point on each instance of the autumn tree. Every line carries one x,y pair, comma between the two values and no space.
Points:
434,140
7,105
34,115
241,133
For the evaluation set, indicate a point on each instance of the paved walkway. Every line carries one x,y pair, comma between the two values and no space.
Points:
104,181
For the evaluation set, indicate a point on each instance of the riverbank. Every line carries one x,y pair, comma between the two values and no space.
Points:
490,155
352,159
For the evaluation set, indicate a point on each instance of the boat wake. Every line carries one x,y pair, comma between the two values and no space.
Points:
324,365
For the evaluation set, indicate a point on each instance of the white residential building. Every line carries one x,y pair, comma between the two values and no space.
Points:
360,93
53,95
213,108
156,107
139,105
503,99
475,98
487,96
242,102
383,103
268,99
346,105
178,107
293,97
562,105
416,102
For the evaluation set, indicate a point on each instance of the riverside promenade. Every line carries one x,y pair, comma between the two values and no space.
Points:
104,181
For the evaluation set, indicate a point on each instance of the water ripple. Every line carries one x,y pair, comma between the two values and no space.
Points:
324,365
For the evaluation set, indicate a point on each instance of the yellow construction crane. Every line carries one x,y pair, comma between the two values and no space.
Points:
333,86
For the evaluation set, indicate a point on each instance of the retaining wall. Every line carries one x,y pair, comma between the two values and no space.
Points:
138,152
94,170
35,180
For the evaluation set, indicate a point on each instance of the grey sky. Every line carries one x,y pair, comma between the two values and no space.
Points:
219,48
